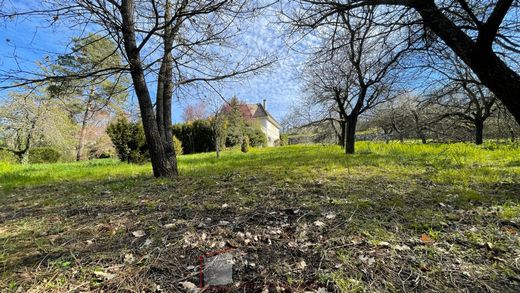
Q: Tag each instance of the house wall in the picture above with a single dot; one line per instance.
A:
(271, 131)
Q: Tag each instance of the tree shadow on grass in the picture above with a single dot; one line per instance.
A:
(74, 229)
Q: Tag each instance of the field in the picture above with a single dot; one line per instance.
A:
(394, 217)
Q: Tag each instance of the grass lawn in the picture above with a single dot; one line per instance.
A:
(394, 217)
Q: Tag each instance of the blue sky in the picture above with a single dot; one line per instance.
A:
(31, 39)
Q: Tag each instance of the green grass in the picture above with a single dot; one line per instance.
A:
(447, 163)
(62, 224)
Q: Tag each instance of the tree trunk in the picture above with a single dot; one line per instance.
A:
(479, 131)
(217, 145)
(165, 91)
(341, 136)
(163, 164)
(350, 135)
(490, 69)
(81, 142)
(83, 131)
(423, 138)
(23, 154)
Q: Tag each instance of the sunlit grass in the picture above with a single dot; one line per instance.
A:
(446, 163)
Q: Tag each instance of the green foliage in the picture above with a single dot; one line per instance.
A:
(196, 136)
(237, 127)
(43, 155)
(245, 144)
(219, 125)
(92, 52)
(284, 139)
(129, 140)
(256, 136)
(7, 157)
(510, 211)
(87, 100)
(235, 124)
(177, 145)
(199, 136)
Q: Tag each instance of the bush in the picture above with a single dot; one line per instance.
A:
(129, 140)
(103, 148)
(232, 138)
(195, 137)
(177, 145)
(245, 144)
(43, 155)
(104, 156)
(256, 136)
(284, 139)
(138, 157)
(199, 136)
(8, 157)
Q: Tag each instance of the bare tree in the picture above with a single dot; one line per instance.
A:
(506, 123)
(21, 118)
(30, 117)
(483, 34)
(194, 112)
(407, 116)
(461, 95)
(175, 41)
(354, 71)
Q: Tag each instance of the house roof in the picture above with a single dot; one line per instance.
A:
(257, 111)
(253, 111)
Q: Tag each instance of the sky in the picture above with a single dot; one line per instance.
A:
(31, 40)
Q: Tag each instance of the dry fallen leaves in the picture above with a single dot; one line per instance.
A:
(129, 258)
(510, 230)
(330, 216)
(367, 259)
(401, 247)
(301, 265)
(319, 224)
(189, 286)
(138, 233)
(426, 239)
(104, 275)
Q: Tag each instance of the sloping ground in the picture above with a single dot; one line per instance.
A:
(435, 218)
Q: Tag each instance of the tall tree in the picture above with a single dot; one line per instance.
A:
(29, 118)
(172, 42)
(217, 120)
(234, 115)
(355, 68)
(462, 96)
(87, 97)
(483, 34)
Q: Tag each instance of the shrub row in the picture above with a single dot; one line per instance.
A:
(37, 155)
(198, 136)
